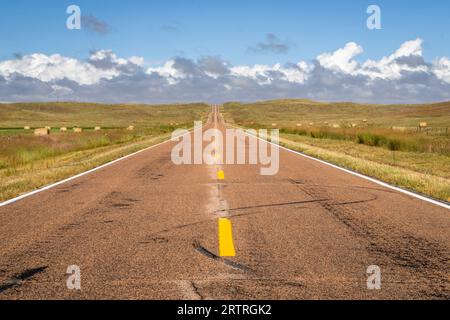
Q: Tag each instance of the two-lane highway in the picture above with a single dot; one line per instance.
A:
(145, 228)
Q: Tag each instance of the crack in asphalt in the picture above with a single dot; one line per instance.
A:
(235, 265)
(278, 204)
(426, 259)
(21, 277)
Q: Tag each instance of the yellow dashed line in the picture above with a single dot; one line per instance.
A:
(226, 246)
(220, 175)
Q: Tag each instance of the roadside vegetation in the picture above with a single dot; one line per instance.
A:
(405, 145)
(28, 162)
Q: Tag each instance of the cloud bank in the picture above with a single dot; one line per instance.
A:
(400, 77)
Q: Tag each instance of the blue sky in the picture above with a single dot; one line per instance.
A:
(223, 28)
(215, 51)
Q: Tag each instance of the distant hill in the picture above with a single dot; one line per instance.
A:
(296, 111)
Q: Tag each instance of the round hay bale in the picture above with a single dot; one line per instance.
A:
(41, 132)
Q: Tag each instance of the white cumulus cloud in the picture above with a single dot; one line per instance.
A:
(441, 68)
(392, 66)
(265, 74)
(55, 67)
(402, 76)
(168, 71)
(341, 59)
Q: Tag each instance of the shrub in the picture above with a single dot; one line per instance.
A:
(394, 145)
(370, 139)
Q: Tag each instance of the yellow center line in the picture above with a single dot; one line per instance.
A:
(226, 246)
(220, 175)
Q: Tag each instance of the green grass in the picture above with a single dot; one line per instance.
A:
(28, 162)
(413, 158)
(414, 141)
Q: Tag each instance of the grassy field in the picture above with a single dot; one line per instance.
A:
(382, 141)
(28, 162)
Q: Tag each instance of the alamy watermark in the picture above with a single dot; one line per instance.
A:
(73, 22)
(74, 280)
(374, 279)
(374, 20)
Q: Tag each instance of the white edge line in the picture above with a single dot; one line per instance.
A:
(379, 182)
(10, 201)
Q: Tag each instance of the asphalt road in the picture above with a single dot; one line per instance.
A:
(145, 228)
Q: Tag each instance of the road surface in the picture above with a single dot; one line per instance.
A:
(145, 228)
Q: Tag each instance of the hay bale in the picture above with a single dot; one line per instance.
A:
(274, 124)
(336, 126)
(423, 125)
(97, 128)
(26, 128)
(299, 124)
(77, 130)
(130, 128)
(311, 123)
(354, 125)
(364, 120)
(41, 132)
(63, 129)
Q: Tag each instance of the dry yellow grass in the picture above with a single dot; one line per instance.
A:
(427, 184)
(28, 162)
(380, 141)
(42, 172)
